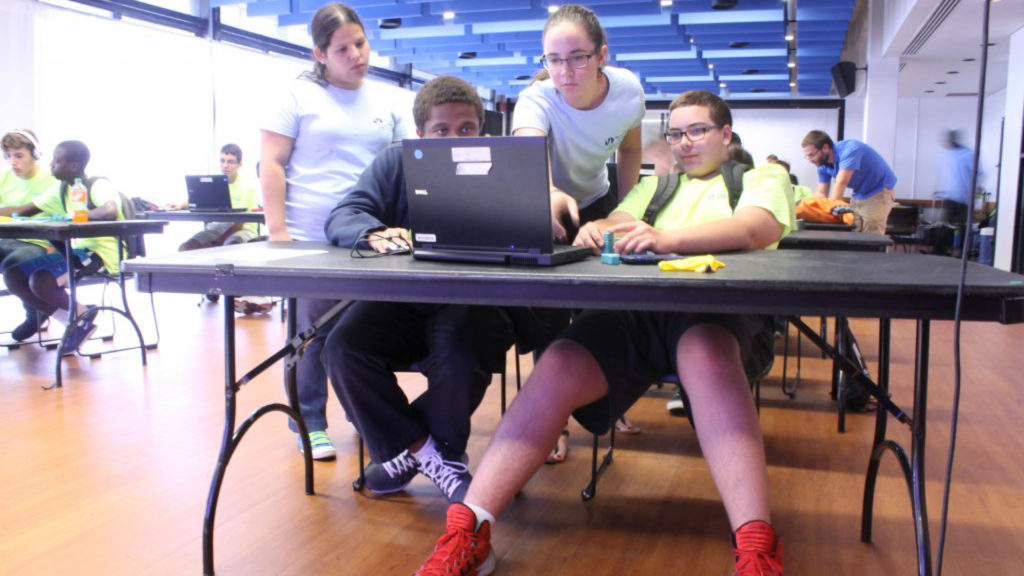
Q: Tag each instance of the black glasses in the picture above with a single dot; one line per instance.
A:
(577, 61)
(694, 133)
(813, 155)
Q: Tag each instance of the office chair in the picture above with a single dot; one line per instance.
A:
(903, 224)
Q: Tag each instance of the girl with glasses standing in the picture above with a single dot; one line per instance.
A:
(589, 111)
(314, 146)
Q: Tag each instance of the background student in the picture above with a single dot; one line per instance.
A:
(589, 111)
(25, 180)
(452, 345)
(855, 165)
(606, 359)
(40, 281)
(245, 193)
(321, 137)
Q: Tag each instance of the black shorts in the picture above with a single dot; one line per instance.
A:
(637, 349)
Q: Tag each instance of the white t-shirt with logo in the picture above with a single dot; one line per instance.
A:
(582, 141)
(337, 134)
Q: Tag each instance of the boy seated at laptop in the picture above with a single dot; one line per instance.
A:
(245, 193)
(452, 345)
(605, 360)
(39, 282)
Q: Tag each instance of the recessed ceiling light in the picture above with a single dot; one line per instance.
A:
(952, 72)
(666, 3)
(738, 44)
(969, 59)
(552, 8)
(711, 66)
(721, 84)
(929, 91)
(791, 64)
(792, 84)
(941, 82)
(693, 40)
(789, 37)
(448, 15)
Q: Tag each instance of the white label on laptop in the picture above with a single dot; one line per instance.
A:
(472, 168)
(471, 154)
(431, 238)
(420, 192)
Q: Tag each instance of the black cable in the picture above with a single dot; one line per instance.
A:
(955, 417)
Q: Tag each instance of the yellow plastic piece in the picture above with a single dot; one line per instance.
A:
(705, 263)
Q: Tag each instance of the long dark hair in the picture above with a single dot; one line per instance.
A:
(326, 20)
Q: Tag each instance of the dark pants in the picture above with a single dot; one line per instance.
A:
(310, 376)
(955, 215)
(14, 252)
(456, 347)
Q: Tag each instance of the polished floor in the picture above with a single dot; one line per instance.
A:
(109, 475)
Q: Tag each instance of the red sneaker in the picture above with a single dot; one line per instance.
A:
(758, 550)
(462, 549)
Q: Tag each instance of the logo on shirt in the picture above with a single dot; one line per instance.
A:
(609, 141)
(378, 121)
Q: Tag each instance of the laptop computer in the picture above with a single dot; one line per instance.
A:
(482, 200)
(209, 193)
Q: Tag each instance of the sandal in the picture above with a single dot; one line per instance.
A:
(561, 449)
(623, 426)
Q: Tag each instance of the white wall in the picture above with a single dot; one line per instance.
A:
(1009, 187)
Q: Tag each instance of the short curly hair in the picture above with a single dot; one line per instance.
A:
(442, 90)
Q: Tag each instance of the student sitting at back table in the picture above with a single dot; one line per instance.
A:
(607, 359)
(25, 180)
(452, 345)
(245, 193)
(40, 281)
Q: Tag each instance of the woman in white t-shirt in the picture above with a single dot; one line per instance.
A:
(589, 111)
(314, 146)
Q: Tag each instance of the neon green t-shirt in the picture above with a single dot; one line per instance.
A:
(700, 201)
(15, 191)
(246, 194)
(102, 192)
(801, 192)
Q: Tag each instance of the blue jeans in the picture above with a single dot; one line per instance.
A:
(310, 376)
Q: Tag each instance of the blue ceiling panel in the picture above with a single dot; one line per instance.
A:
(687, 45)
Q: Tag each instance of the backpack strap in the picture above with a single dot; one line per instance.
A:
(666, 188)
(732, 173)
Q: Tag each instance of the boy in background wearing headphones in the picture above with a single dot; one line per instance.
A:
(25, 180)
(40, 281)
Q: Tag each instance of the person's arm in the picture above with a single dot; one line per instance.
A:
(842, 181)
(750, 228)
(628, 161)
(29, 209)
(275, 150)
(822, 190)
(105, 211)
(561, 202)
(371, 205)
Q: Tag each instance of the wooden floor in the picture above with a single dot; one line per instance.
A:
(109, 475)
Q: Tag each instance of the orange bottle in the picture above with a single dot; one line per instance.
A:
(78, 205)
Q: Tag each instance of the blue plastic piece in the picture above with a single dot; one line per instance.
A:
(609, 255)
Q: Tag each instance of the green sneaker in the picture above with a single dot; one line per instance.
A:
(321, 444)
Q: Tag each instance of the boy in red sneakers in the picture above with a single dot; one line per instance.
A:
(605, 360)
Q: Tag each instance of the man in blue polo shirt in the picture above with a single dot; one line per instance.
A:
(855, 165)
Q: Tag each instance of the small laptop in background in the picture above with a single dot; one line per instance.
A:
(209, 193)
(482, 200)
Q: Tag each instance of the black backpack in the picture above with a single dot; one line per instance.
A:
(732, 173)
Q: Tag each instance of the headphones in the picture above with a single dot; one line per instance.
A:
(36, 152)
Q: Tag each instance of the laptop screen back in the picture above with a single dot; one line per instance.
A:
(208, 192)
(487, 194)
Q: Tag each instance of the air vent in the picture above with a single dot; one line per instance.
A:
(738, 44)
(749, 71)
(389, 23)
(960, 94)
(758, 90)
(467, 55)
(523, 77)
(934, 21)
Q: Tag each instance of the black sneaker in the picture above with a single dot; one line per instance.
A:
(393, 475)
(451, 476)
(79, 332)
(28, 328)
(675, 405)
